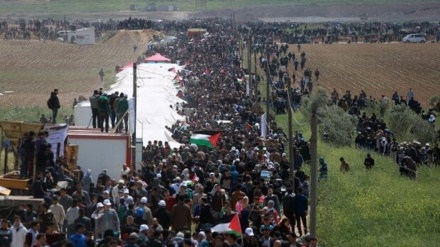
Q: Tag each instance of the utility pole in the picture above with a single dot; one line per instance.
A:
(133, 138)
(314, 172)
(268, 80)
(249, 62)
(241, 50)
(290, 131)
(255, 73)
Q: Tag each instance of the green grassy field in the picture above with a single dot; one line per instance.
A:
(31, 113)
(60, 7)
(375, 208)
(378, 208)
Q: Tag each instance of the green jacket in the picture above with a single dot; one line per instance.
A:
(122, 106)
(103, 104)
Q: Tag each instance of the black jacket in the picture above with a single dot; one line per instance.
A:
(38, 190)
(53, 102)
(163, 217)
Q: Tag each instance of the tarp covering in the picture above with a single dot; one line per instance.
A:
(128, 65)
(157, 58)
(156, 95)
(155, 102)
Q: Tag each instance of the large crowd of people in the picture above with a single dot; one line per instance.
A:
(332, 32)
(182, 196)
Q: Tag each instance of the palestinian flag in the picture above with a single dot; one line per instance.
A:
(248, 126)
(235, 226)
(205, 138)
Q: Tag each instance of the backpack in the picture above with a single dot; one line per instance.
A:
(49, 103)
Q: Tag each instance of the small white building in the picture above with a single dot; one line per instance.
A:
(83, 36)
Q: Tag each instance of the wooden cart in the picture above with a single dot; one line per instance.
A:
(12, 180)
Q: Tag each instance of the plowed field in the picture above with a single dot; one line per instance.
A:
(378, 69)
(32, 69)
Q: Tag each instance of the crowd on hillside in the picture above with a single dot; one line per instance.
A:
(183, 196)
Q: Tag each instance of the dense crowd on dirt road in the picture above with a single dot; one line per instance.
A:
(179, 195)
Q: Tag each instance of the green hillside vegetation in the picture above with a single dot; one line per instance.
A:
(31, 113)
(375, 208)
(60, 7)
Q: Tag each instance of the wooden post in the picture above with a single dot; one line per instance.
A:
(249, 64)
(5, 168)
(313, 172)
(268, 80)
(255, 73)
(290, 131)
(57, 155)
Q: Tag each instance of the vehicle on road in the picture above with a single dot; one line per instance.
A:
(414, 38)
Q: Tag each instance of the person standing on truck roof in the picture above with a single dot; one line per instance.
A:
(95, 112)
(53, 103)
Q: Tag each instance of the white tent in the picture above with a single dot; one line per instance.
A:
(156, 94)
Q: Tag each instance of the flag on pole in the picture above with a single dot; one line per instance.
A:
(195, 178)
(248, 126)
(263, 125)
(235, 226)
(205, 138)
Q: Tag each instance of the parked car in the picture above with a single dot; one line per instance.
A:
(414, 38)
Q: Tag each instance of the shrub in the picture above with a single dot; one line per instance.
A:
(422, 131)
(335, 124)
(434, 102)
(401, 120)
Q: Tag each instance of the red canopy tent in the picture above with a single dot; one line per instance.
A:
(128, 65)
(157, 58)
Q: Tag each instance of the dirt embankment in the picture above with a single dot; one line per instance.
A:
(133, 37)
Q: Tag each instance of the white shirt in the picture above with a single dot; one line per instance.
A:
(72, 214)
(18, 237)
(266, 242)
(125, 172)
(58, 213)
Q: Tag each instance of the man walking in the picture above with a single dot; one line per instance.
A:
(300, 207)
(317, 75)
(94, 105)
(181, 217)
(5, 234)
(78, 239)
(101, 75)
(53, 103)
(18, 233)
(58, 212)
